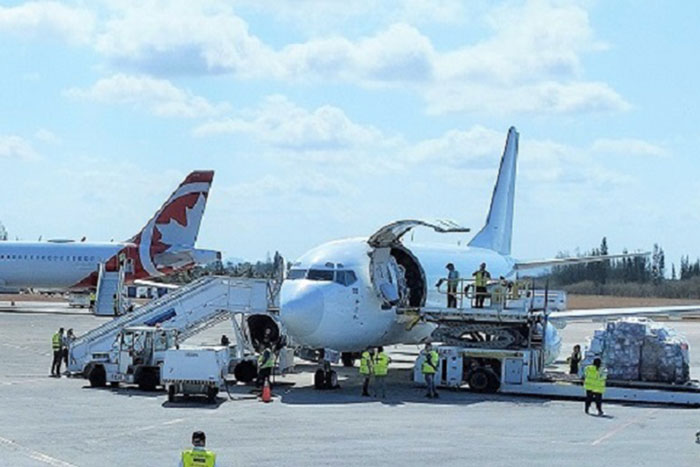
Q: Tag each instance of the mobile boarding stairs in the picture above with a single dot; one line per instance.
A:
(189, 310)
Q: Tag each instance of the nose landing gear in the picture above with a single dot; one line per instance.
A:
(326, 378)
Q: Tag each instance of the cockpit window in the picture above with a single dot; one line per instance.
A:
(345, 277)
(296, 274)
(320, 275)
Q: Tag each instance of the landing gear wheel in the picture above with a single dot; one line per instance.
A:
(171, 393)
(97, 376)
(348, 360)
(479, 380)
(331, 380)
(319, 379)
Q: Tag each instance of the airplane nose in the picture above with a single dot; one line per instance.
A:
(301, 312)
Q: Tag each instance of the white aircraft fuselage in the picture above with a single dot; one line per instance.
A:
(322, 310)
(49, 265)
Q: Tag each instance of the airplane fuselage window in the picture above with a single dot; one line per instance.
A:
(295, 274)
(320, 275)
(345, 278)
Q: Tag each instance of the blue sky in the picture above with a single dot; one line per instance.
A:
(326, 119)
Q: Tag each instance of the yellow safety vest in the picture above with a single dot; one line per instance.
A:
(381, 364)
(594, 380)
(56, 341)
(515, 291)
(427, 368)
(196, 458)
(365, 363)
(269, 363)
(480, 278)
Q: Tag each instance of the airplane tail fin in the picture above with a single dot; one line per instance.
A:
(497, 233)
(175, 225)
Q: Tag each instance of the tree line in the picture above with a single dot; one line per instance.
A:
(633, 276)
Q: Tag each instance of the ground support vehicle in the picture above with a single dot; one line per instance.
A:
(520, 372)
(195, 370)
(136, 358)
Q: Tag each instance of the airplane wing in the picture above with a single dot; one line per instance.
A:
(392, 233)
(543, 263)
(612, 313)
(156, 284)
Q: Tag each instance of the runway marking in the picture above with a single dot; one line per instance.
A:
(36, 455)
(619, 428)
(137, 430)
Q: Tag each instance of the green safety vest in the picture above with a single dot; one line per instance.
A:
(381, 364)
(196, 458)
(594, 380)
(480, 278)
(56, 341)
(365, 363)
(269, 363)
(427, 368)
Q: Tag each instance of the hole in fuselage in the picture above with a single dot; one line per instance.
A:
(415, 278)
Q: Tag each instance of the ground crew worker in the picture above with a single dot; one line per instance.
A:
(429, 368)
(198, 456)
(57, 347)
(481, 279)
(93, 297)
(266, 361)
(366, 371)
(67, 341)
(115, 305)
(594, 383)
(574, 360)
(452, 282)
(381, 369)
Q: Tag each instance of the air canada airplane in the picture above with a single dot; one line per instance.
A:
(342, 295)
(163, 246)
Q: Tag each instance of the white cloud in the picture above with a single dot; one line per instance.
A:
(323, 15)
(458, 148)
(15, 147)
(47, 136)
(182, 36)
(628, 146)
(45, 19)
(530, 63)
(280, 123)
(158, 96)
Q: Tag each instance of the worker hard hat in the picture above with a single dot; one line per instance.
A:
(449, 265)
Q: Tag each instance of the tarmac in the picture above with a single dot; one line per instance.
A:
(64, 422)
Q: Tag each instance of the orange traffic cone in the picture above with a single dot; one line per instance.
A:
(266, 392)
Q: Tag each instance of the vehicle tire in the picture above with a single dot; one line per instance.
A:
(114, 384)
(97, 376)
(348, 360)
(246, 371)
(147, 379)
(331, 380)
(494, 383)
(211, 394)
(171, 393)
(479, 380)
(319, 379)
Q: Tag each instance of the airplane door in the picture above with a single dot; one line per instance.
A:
(384, 272)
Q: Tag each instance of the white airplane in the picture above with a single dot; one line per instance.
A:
(163, 246)
(342, 295)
